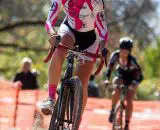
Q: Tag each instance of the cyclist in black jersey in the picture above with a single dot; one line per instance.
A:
(128, 72)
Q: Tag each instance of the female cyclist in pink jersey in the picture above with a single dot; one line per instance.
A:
(83, 25)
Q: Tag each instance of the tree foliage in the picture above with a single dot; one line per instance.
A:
(22, 31)
(151, 61)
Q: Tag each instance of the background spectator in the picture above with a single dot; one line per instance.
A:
(26, 77)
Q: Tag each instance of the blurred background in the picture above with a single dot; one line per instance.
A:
(22, 34)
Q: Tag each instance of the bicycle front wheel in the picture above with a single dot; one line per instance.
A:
(58, 115)
(118, 118)
(77, 102)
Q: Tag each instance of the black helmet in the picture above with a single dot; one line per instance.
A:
(126, 43)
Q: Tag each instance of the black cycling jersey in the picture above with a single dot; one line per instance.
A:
(131, 72)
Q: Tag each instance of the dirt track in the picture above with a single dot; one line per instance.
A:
(146, 115)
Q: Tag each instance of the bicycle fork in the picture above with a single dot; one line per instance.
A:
(65, 88)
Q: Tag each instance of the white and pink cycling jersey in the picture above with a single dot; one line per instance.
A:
(82, 15)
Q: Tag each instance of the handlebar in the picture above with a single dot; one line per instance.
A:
(76, 50)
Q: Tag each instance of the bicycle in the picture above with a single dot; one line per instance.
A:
(119, 109)
(68, 108)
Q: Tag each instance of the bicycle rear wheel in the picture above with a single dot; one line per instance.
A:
(77, 101)
(118, 118)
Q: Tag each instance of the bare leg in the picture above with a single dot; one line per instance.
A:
(116, 93)
(58, 57)
(129, 109)
(115, 97)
